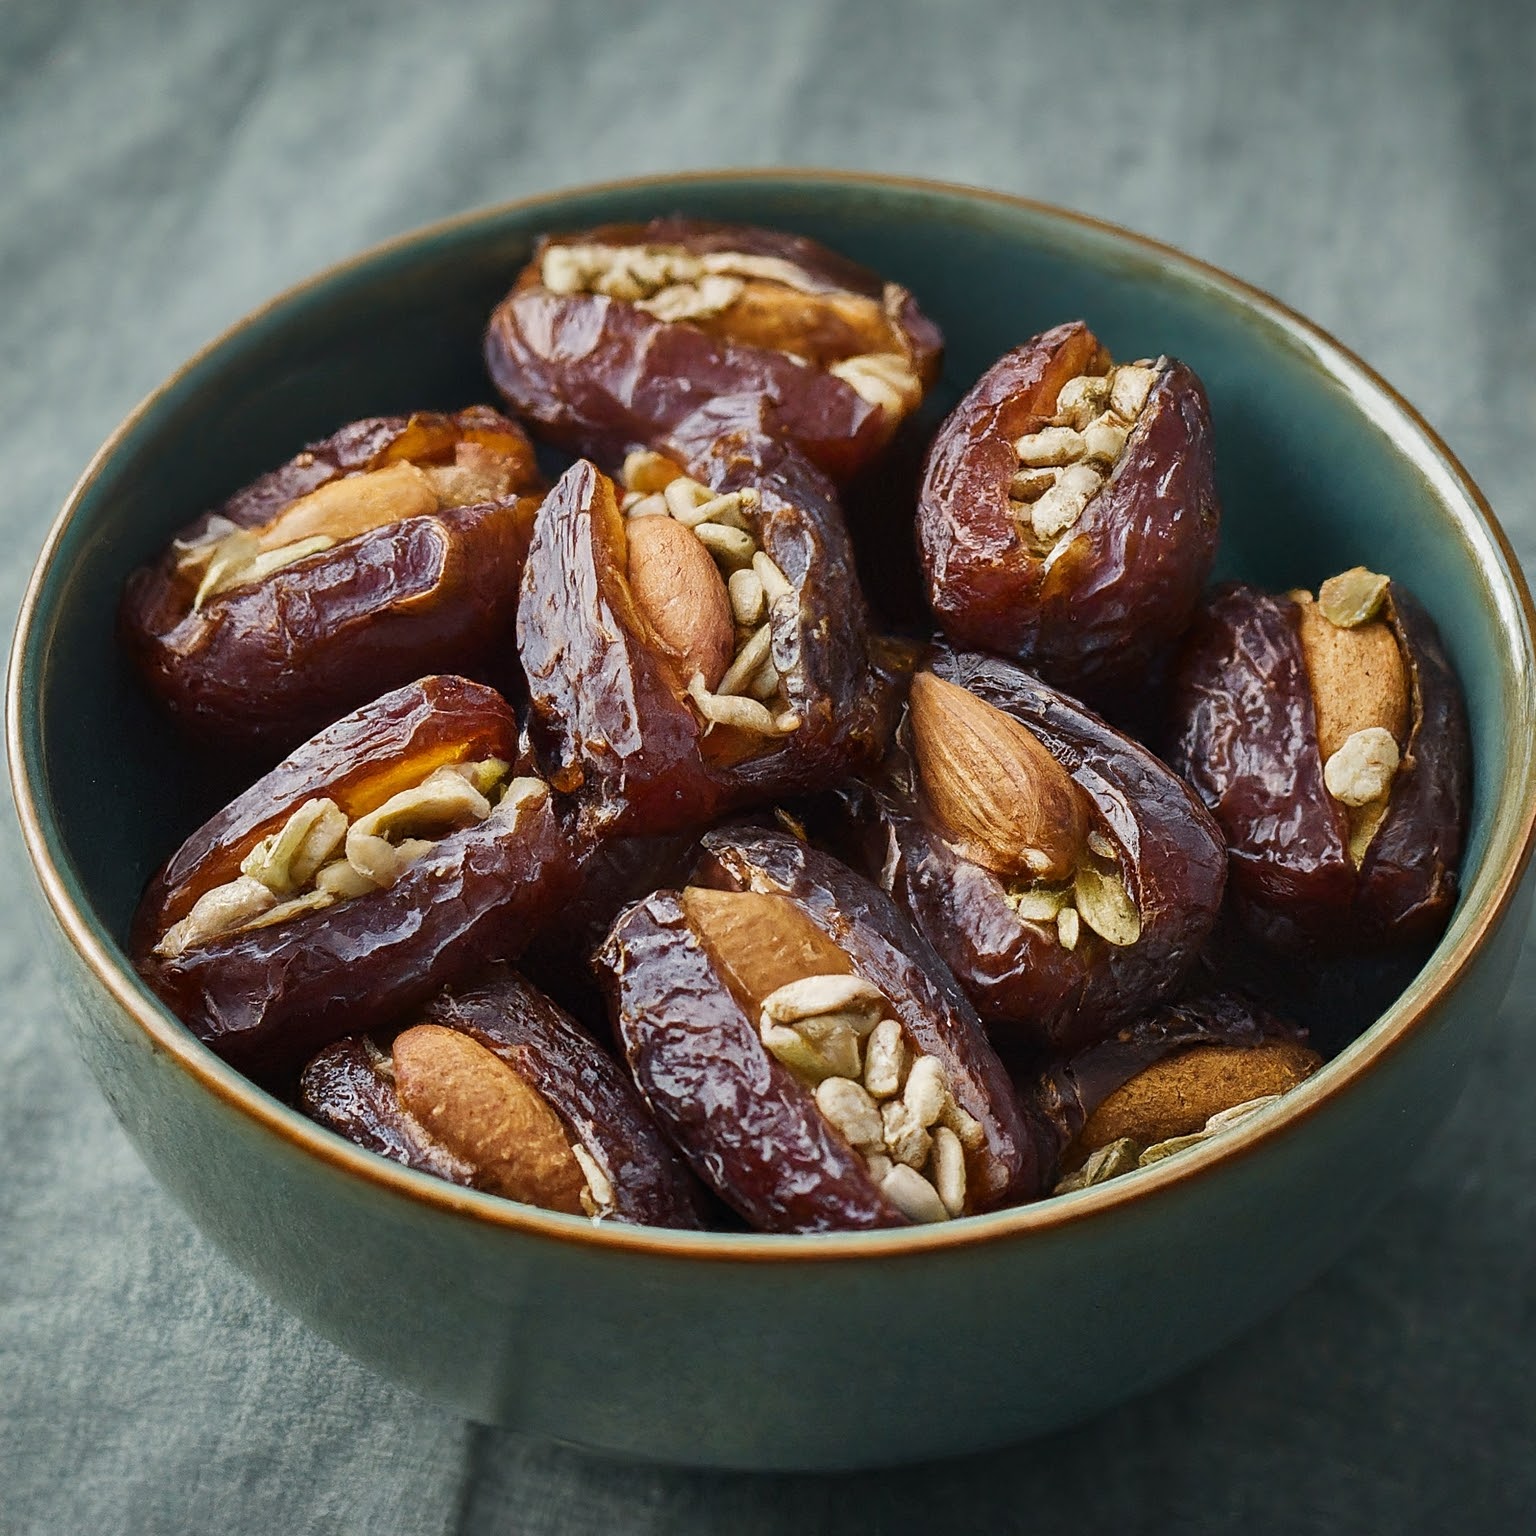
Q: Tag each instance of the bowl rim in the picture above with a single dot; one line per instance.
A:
(1403, 1019)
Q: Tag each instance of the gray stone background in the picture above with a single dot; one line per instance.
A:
(164, 167)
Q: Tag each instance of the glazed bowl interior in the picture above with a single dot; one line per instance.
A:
(1320, 468)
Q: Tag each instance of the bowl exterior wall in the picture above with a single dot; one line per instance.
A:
(796, 1364)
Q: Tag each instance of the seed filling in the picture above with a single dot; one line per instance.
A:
(1098, 897)
(319, 857)
(1063, 465)
(675, 284)
(891, 1104)
(752, 695)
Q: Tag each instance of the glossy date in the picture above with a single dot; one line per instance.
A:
(1066, 877)
(1167, 1073)
(1068, 513)
(390, 550)
(1328, 737)
(494, 1087)
(390, 855)
(699, 646)
(612, 336)
(806, 1050)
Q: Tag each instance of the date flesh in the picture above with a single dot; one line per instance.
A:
(390, 550)
(611, 337)
(1093, 577)
(1306, 871)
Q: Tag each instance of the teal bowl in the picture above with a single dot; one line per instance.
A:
(748, 1351)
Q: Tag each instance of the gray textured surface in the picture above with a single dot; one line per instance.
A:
(163, 168)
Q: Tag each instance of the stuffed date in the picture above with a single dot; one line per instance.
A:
(805, 1049)
(494, 1087)
(613, 336)
(1066, 876)
(698, 642)
(1166, 1077)
(385, 858)
(390, 550)
(1328, 737)
(1068, 511)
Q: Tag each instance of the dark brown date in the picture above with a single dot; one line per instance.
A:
(350, 1088)
(570, 1133)
(1166, 1074)
(1066, 877)
(1334, 754)
(359, 762)
(389, 550)
(387, 857)
(658, 694)
(1068, 513)
(807, 1051)
(612, 336)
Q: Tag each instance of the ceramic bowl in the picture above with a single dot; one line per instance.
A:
(751, 1351)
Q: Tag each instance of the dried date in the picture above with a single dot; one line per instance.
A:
(611, 337)
(807, 1051)
(495, 1087)
(1168, 1073)
(1068, 513)
(1329, 739)
(390, 550)
(697, 642)
(386, 858)
(1066, 876)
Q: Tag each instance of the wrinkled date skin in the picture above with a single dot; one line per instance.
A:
(1036, 995)
(614, 873)
(349, 1087)
(1245, 734)
(751, 1127)
(613, 336)
(267, 998)
(1092, 608)
(1069, 1091)
(267, 656)
(610, 718)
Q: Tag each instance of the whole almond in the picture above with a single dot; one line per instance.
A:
(760, 941)
(1357, 674)
(354, 504)
(482, 1111)
(678, 588)
(994, 786)
(1177, 1095)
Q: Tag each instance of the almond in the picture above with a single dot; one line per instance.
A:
(1177, 1095)
(998, 792)
(1358, 677)
(483, 1112)
(342, 509)
(760, 941)
(678, 589)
